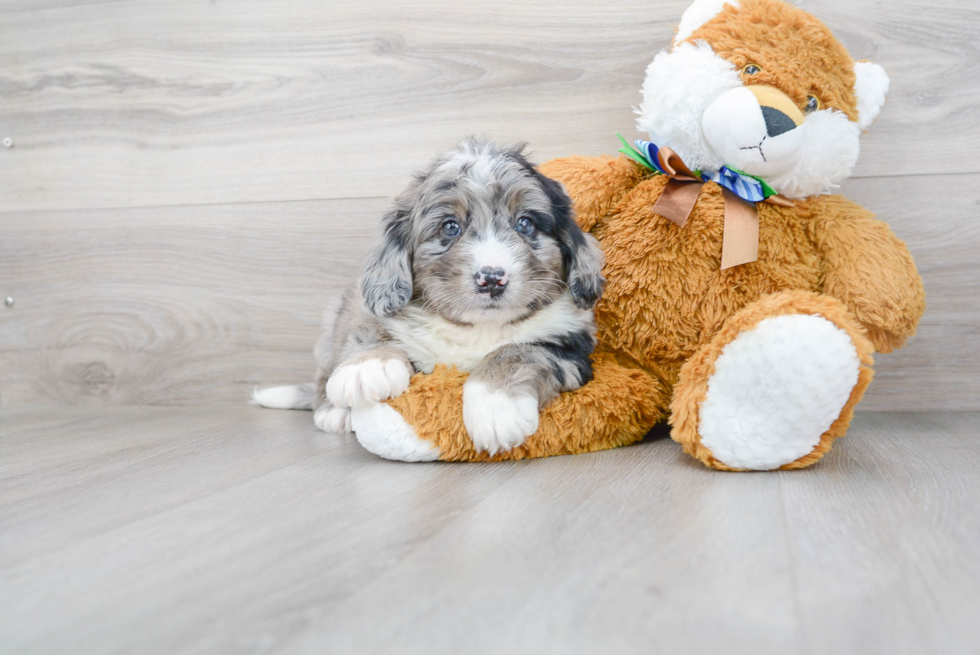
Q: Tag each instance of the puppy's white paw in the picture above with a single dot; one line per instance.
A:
(495, 420)
(332, 419)
(370, 381)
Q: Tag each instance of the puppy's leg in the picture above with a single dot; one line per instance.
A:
(332, 419)
(504, 394)
(326, 416)
(371, 375)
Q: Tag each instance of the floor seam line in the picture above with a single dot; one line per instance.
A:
(793, 578)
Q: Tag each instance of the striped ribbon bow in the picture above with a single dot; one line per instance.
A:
(740, 241)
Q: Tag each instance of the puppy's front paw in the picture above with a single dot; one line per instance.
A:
(496, 420)
(332, 419)
(372, 380)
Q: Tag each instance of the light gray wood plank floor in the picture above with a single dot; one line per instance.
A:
(192, 530)
(177, 102)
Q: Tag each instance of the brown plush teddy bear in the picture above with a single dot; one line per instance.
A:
(743, 303)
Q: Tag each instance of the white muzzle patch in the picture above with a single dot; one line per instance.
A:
(736, 128)
(491, 252)
(695, 103)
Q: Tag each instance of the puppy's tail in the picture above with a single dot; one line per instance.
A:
(290, 396)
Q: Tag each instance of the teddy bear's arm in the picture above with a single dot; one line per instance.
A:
(618, 407)
(594, 183)
(871, 270)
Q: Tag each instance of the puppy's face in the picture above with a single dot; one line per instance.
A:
(487, 240)
(482, 237)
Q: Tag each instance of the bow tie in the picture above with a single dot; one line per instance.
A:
(740, 241)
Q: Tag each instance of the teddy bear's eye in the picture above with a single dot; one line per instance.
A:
(812, 105)
(751, 69)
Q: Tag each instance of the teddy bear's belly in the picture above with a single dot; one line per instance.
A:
(666, 293)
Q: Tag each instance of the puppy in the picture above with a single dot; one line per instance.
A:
(481, 266)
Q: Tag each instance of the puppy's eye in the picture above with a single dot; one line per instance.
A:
(812, 104)
(451, 229)
(751, 69)
(524, 226)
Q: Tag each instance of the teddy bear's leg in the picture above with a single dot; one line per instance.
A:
(775, 386)
(384, 432)
(617, 408)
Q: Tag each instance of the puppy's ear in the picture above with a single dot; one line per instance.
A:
(581, 255)
(386, 279)
(585, 273)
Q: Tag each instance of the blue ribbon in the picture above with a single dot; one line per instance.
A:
(744, 186)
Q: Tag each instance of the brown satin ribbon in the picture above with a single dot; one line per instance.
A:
(740, 242)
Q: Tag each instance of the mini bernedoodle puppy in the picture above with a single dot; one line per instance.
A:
(481, 266)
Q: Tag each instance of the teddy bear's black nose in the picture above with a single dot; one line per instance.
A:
(777, 122)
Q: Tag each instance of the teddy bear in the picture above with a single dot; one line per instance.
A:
(743, 301)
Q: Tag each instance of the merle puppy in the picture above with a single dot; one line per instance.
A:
(481, 266)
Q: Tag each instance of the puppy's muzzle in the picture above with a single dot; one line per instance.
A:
(491, 280)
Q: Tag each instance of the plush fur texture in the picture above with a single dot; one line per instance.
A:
(777, 387)
(697, 373)
(679, 87)
(697, 98)
(871, 86)
(669, 311)
(383, 431)
(696, 15)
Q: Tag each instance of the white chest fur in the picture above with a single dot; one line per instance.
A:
(429, 340)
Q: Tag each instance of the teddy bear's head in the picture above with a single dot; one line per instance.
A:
(763, 87)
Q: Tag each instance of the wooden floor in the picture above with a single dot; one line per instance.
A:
(189, 183)
(193, 530)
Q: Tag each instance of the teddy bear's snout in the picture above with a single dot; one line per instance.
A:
(778, 111)
(756, 129)
(777, 122)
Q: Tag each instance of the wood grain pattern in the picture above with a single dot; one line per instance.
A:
(191, 182)
(182, 102)
(887, 546)
(936, 217)
(192, 530)
(197, 305)
(187, 305)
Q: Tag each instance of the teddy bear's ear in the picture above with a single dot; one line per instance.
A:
(699, 13)
(870, 86)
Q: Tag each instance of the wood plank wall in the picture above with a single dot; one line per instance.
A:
(190, 182)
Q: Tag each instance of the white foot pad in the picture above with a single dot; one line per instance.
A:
(372, 380)
(776, 389)
(383, 431)
(332, 419)
(495, 420)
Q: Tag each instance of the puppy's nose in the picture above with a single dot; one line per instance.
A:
(777, 122)
(491, 280)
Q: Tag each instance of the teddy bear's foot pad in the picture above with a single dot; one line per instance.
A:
(383, 431)
(776, 389)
